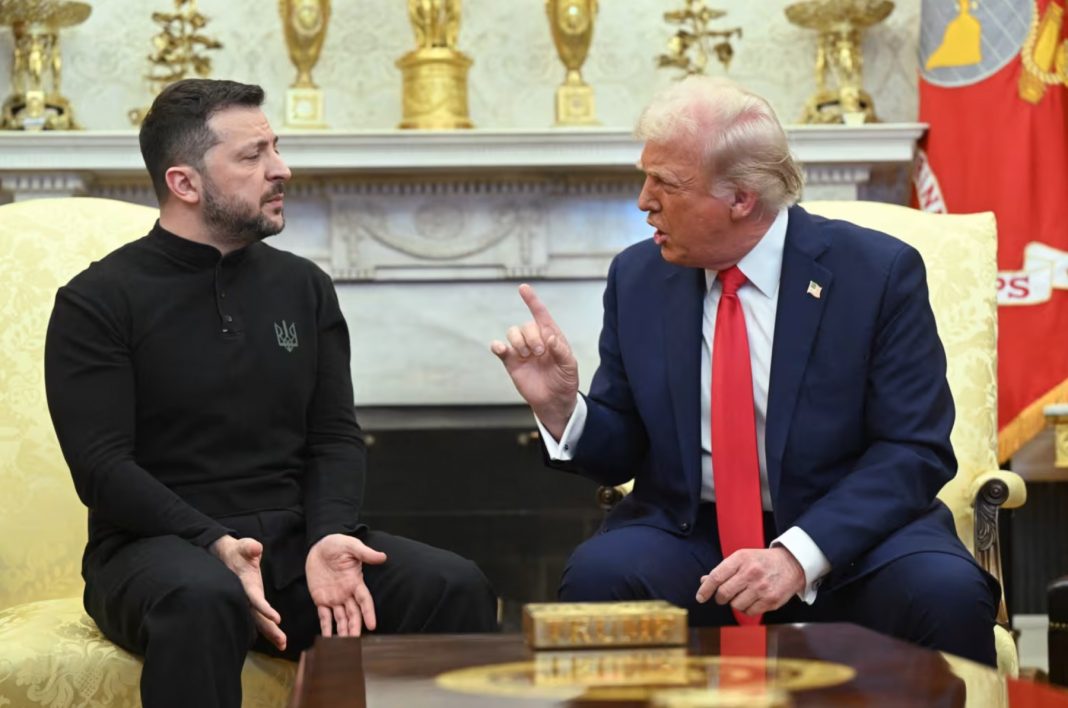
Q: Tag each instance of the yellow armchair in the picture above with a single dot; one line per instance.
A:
(960, 252)
(51, 652)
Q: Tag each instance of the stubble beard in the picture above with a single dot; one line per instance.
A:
(234, 222)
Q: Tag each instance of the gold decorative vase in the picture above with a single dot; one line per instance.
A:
(840, 96)
(435, 72)
(571, 22)
(305, 24)
(36, 102)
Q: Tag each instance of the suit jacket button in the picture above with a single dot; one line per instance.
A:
(685, 526)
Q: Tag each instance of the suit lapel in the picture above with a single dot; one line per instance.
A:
(683, 312)
(796, 322)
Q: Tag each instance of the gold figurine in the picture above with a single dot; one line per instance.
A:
(435, 72)
(178, 50)
(572, 27)
(36, 102)
(694, 34)
(305, 24)
(839, 56)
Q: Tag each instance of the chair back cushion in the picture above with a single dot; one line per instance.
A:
(43, 244)
(960, 252)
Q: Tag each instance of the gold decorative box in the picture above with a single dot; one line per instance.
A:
(603, 624)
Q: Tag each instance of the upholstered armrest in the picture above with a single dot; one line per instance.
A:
(999, 488)
(608, 497)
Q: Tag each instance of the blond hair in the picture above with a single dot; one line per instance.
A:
(743, 145)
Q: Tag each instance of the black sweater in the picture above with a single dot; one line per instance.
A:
(188, 388)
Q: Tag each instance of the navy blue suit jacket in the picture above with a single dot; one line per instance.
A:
(859, 410)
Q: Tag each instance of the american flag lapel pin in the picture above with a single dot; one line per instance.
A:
(815, 289)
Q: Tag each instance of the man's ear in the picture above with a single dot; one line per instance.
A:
(742, 204)
(184, 183)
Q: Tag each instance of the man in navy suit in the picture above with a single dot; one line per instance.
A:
(783, 365)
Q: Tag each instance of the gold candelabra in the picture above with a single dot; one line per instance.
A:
(305, 23)
(435, 72)
(692, 45)
(36, 102)
(840, 96)
(178, 50)
(571, 22)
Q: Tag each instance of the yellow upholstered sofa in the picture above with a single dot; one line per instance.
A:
(51, 653)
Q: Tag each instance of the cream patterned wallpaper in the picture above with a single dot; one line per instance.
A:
(515, 70)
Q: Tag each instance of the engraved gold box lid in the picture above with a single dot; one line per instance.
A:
(554, 625)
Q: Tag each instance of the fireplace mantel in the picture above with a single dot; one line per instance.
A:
(34, 162)
(428, 233)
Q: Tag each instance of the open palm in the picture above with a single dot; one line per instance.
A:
(334, 570)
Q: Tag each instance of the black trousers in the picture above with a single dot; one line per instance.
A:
(186, 613)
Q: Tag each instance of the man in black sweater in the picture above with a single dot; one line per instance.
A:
(199, 384)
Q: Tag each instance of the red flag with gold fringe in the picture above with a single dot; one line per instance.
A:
(993, 78)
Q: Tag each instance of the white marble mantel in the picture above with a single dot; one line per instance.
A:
(96, 154)
(428, 233)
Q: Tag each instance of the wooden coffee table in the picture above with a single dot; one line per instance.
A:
(855, 667)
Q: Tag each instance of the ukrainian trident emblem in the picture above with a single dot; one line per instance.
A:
(287, 335)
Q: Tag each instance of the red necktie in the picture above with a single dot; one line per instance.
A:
(735, 465)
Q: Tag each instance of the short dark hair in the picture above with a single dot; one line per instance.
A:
(175, 131)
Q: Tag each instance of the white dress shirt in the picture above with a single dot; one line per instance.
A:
(762, 267)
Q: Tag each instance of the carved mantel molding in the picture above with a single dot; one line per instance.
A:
(101, 154)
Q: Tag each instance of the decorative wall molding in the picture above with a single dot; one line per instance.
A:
(42, 185)
(851, 175)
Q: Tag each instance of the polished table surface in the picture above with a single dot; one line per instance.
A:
(856, 667)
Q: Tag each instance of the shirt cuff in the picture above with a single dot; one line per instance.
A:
(564, 449)
(808, 554)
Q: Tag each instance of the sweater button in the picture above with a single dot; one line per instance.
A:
(229, 318)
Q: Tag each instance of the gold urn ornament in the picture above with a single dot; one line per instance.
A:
(571, 22)
(36, 101)
(435, 72)
(840, 96)
(305, 23)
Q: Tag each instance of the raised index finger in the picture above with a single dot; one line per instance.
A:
(537, 308)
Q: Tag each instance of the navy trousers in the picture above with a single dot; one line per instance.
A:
(936, 600)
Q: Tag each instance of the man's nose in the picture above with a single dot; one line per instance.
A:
(279, 170)
(646, 200)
